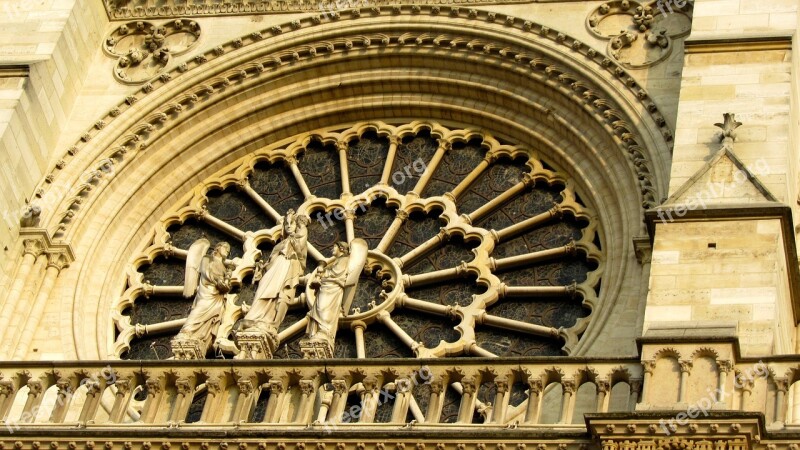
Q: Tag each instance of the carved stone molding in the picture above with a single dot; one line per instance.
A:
(640, 34)
(133, 140)
(143, 49)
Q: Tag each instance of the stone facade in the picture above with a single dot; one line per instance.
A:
(661, 306)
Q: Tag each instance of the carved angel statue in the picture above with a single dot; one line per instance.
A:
(208, 279)
(331, 290)
(279, 276)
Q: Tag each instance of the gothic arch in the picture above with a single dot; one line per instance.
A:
(465, 68)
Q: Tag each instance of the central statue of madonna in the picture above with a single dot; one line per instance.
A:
(330, 289)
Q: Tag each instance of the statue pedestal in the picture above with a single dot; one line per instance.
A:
(188, 349)
(316, 349)
(256, 344)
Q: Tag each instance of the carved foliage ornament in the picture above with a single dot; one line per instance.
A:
(143, 49)
(640, 34)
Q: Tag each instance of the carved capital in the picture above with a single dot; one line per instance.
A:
(725, 365)
(243, 184)
(213, 387)
(93, 388)
(649, 366)
(32, 247)
(535, 385)
(34, 388)
(636, 385)
(291, 160)
(123, 386)
(342, 146)
(402, 215)
(569, 386)
(202, 214)
(782, 384)
(501, 385)
(64, 386)
(307, 387)
(339, 387)
(57, 261)
(153, 386)
(245, 386)
(184, 386)
(686, 366)
(6, 388)
(469, 387)
(394, 140)
(436, 387)
(445, 145)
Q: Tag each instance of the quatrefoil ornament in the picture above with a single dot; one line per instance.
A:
(143, 49)
(640, 34)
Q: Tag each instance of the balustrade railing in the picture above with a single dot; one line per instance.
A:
(325, 394)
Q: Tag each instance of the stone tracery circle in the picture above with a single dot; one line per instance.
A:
(397, 272)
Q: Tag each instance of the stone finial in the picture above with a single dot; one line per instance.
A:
(728, 128)
(30, 216)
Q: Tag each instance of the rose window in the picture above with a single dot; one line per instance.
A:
(475, 246)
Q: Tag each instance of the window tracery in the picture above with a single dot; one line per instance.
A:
(476, 247)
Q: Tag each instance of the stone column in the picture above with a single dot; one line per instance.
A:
(21, 305)
(244, 402)
(94, 393)
(782, 386)
(342, 147)
(277, 391)
(307, 389)
(603, 388)
(387, 169)
(55, 263)
(636, 389)
(7, 391)
(649, 367)
(567, 396)
(121, 399)
(725, 367)
(534, 394)
(402, 400)
(369, 399)
(338, 402)
(32, 249)
(183, 399)
(436, 402)
(686, 368)
(500, 401)
(469, 393)
(35, 390)
(66, 388)
(155, 390)
(213, 397)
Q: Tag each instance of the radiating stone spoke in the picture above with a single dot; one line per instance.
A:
(531, 258)
(443, 148)
(516, 325)
(292, 330)
(477, 350)
(345, 173)
(528, 224)
(386, 320)
(457, 191)
(431, 244)
(426, 307)
(391, 232)
(221, 225)
(501, 199)
(301, 182)
(435, 276)
(170, 326)
(263, 204)
(387, 168)
(506, 291)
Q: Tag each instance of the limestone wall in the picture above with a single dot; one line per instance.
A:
(57, 40)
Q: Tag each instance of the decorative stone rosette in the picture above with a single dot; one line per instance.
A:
(144, 49)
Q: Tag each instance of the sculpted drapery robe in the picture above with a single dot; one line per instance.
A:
(204, 318)
(286, 265)
(325, 312)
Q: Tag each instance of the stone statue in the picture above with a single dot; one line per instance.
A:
(331, 287)
(279, 276)
(208, 278)
(30, 216)
(277, 279)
